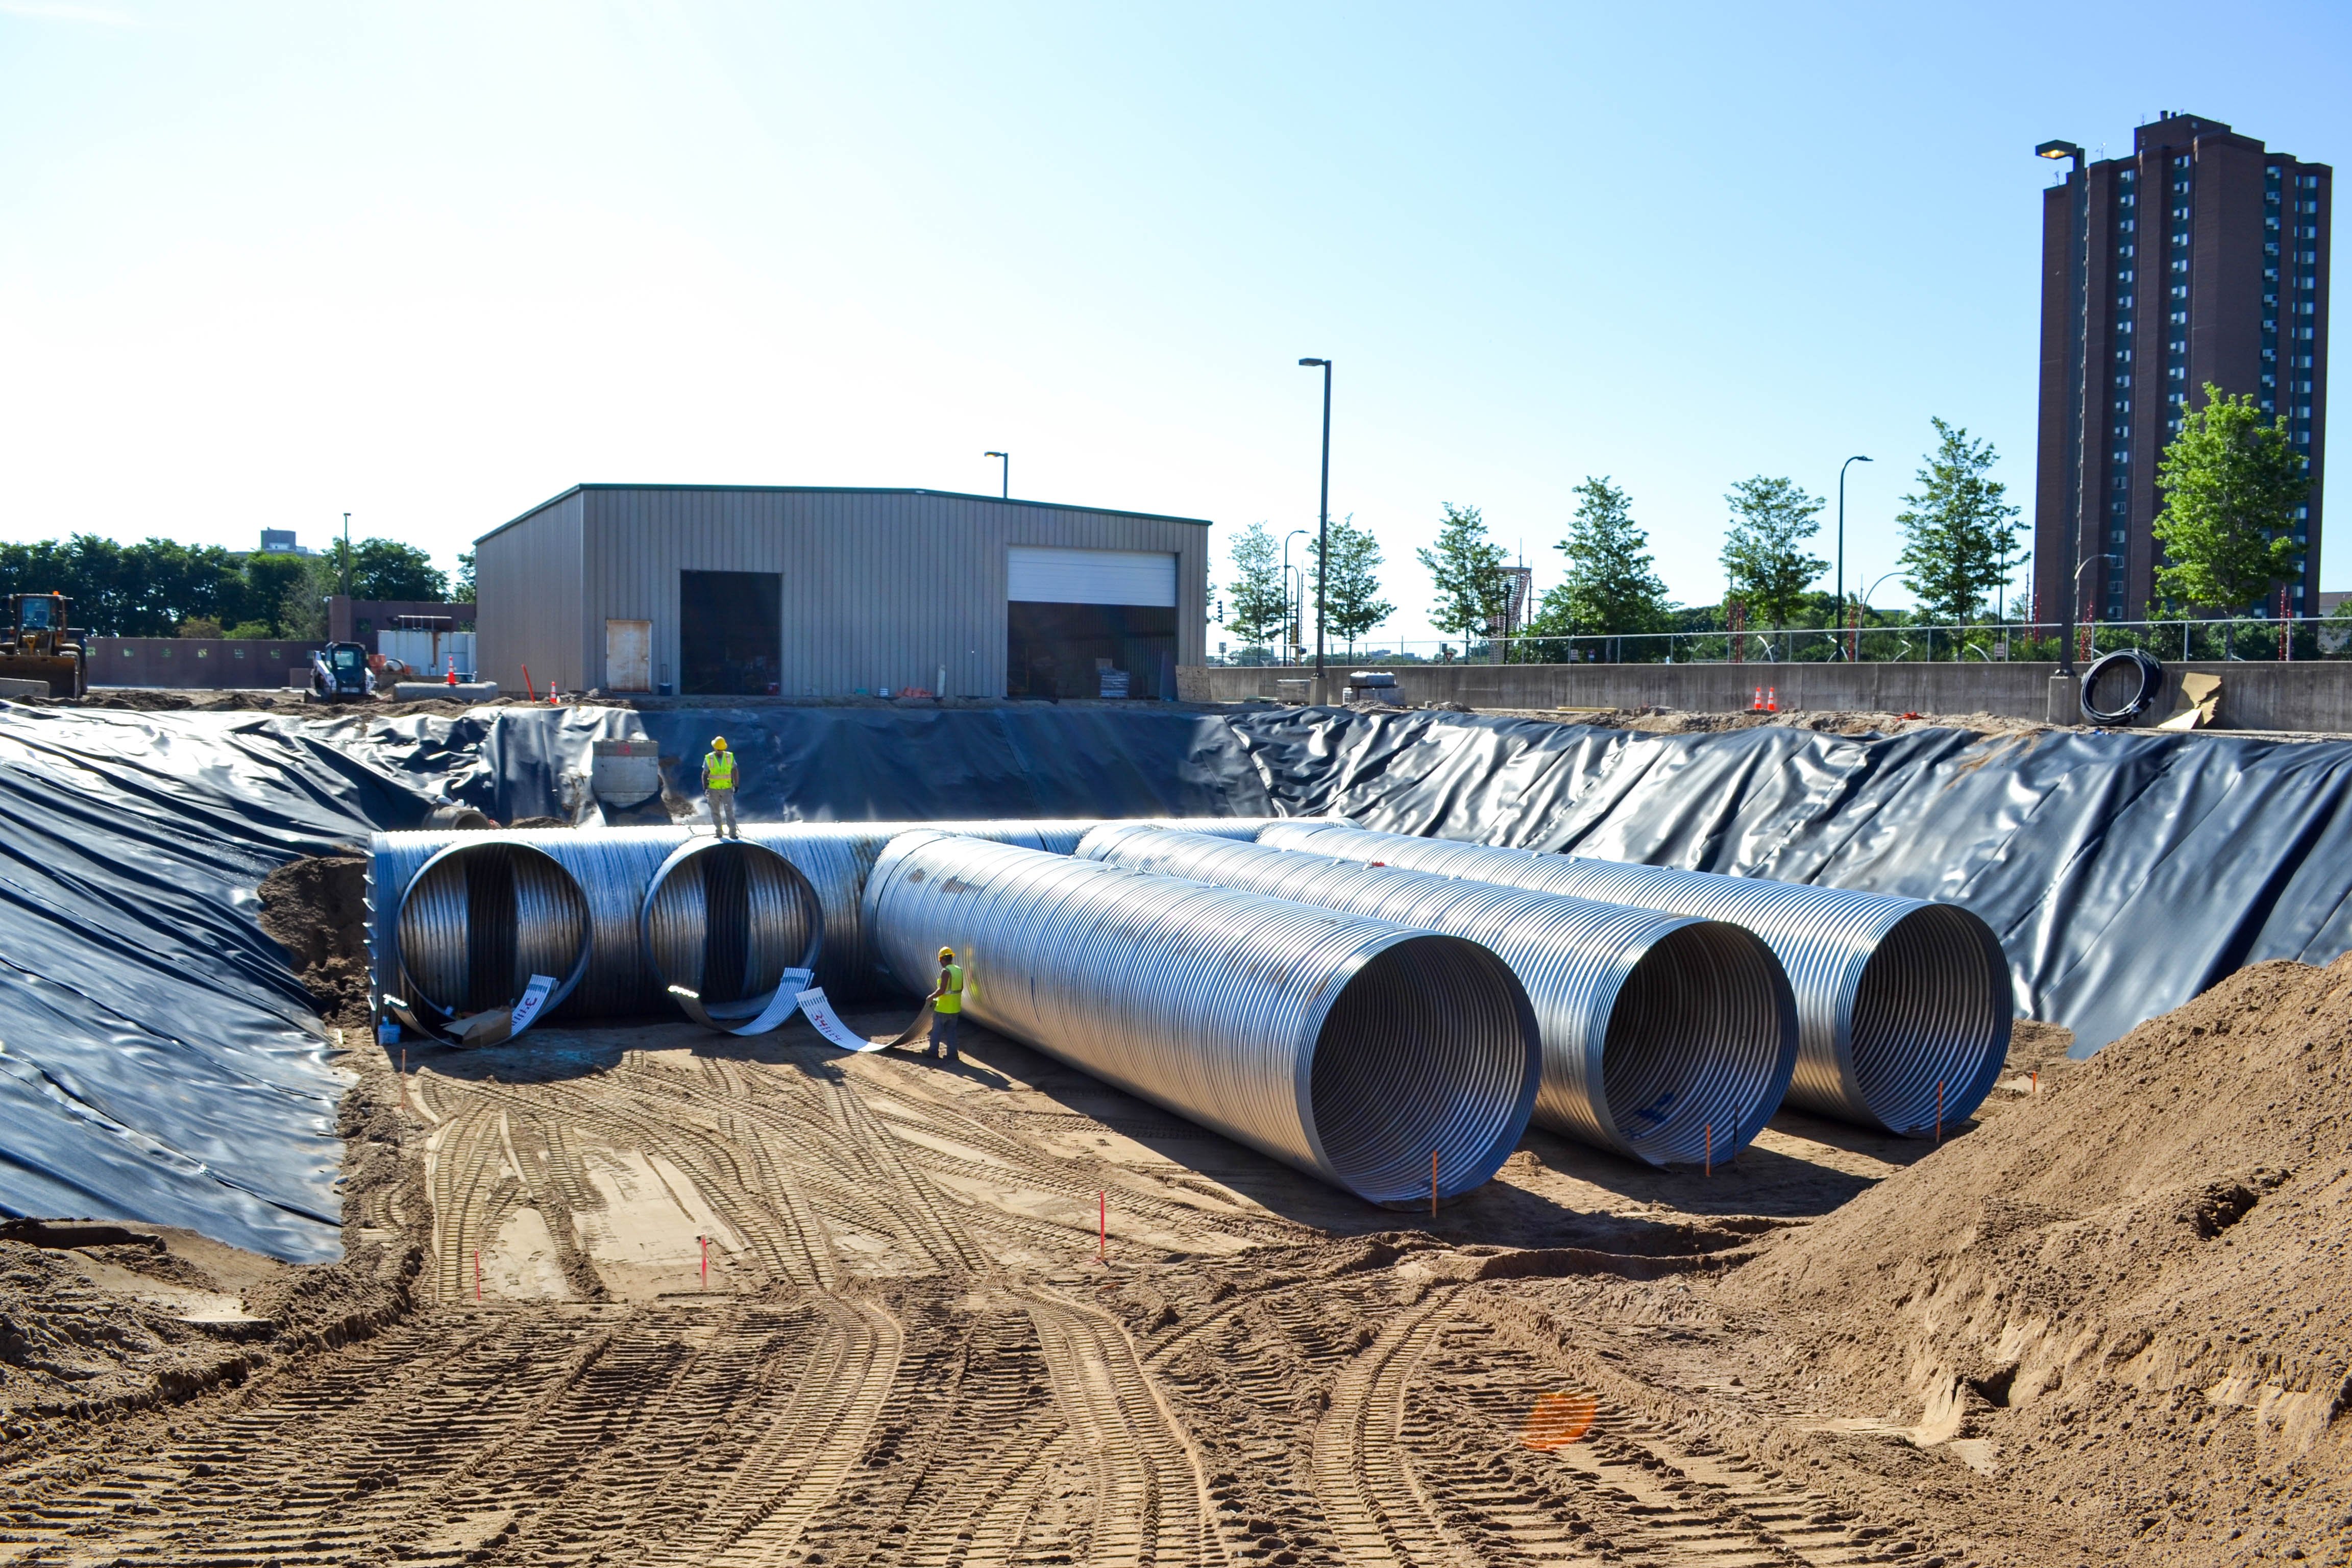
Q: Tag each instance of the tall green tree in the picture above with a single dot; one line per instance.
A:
(1353, 605)
(1467, 568)
(2230, 486)
(1764, 554)
(1959, 528)
(461, 587)
(1255, 600)
(1611, 585)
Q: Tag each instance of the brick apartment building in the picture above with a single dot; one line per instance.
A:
(2207, 263)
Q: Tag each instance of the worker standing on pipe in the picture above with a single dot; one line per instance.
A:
(719, 785)
(947, 1005)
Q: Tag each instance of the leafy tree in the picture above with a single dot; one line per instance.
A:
(387, 569)
(1353, 605)
(2230, 486)
(1764, 555)
(461, 591)
(1959, 530)
(1467, 569)
(1256, 599)
(302, 608)
(1612, 585)
(268, 580)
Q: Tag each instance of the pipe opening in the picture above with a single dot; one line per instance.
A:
(1928, 1011)
(724, 919)
(1432, 1013)
(1700, 1036)
(480, 919)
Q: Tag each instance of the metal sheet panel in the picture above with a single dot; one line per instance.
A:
(1047, 574)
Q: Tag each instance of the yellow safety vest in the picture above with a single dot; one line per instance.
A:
(951, 999)
(719, 771)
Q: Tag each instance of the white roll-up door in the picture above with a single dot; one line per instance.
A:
(1049, 575)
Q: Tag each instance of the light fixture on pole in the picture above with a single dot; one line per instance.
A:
(1004, 471)
(1849, 463)
(1323, 524)
(2077, 394)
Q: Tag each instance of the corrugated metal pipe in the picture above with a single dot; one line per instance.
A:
(1666, 1039)
(1354, 1049)
(723, 923)
(474, 922)
(1901, 1004)
(609, 874)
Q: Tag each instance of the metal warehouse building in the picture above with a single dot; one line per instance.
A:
(793, 591)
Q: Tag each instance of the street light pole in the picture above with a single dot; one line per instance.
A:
(1849, 463)
(2078, 370)
(1323, 525)
(1005, 468)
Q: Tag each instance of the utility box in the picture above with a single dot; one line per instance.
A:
(626, 772)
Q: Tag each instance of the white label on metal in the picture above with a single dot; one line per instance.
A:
(1050, 574)
(780, 1007)
(828, 1024)
(534, 997)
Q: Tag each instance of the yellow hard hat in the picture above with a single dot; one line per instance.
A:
(946, 954)
(719, 743)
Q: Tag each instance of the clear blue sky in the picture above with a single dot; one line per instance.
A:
(263, 264)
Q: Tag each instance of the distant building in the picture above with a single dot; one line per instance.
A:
(786, 591)
(2208, 263)
(280, 542)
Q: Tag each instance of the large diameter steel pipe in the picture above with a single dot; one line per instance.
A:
(1903, 1008)
(1353, 1050)
(1667, 1038)
(724, 923)
(477, 922)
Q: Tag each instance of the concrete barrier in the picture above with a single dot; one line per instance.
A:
(217, 664)
(2314, 696)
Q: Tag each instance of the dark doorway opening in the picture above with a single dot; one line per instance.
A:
(1065, 650)
(730, 633)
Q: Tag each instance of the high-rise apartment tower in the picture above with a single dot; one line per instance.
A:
(2207, 263)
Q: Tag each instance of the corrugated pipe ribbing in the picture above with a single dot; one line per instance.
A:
(1896, 998)
(607, 876)
(1667, 1038)
(1352, 1049)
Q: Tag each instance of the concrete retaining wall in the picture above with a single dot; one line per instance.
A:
(2314, 696)
(215, 664)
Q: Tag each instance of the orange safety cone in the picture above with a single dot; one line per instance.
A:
(1772, 699)
(1756, 701)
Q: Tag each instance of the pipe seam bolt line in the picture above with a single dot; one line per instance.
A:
(1662, 1033)
(1284, 1026)
(1893, 995)
(444, 903)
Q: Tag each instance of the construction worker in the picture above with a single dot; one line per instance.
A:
(719, 785)
(947, 1005)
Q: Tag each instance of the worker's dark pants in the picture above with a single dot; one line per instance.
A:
(722, 812)
(943, 1034)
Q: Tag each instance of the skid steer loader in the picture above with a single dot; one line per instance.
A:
(37, 644)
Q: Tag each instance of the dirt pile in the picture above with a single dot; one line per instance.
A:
(316, 908)
(2129, 1297)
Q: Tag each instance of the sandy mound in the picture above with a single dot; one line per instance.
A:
(316, 908)
(2136, 1289)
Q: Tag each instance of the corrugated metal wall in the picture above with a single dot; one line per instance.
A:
(527, 587)
(880, 587)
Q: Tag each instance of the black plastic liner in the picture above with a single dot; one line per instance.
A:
(159, 1061)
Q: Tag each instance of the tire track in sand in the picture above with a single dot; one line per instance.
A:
(1151, 1500)
(1363, 1475)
